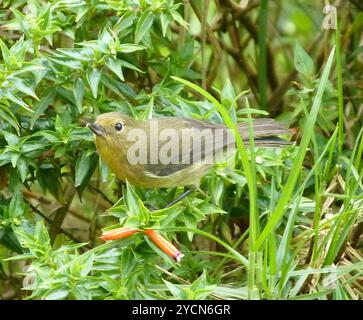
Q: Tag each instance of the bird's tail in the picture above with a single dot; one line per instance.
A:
(265, 132)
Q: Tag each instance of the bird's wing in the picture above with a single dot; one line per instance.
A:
(194, 144)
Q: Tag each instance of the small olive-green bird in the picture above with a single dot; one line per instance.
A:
(116, 141)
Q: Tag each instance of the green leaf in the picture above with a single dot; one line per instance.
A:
(60, 151)
(81, 293)
(165, 20)
(8, 116)
(129, 47)
(19, 50)
(18, 15)
(93, 78)
(177, 292)
(41, 235)
(190, 221)
(143, 25)
(10, 241)
(110, 284)
(47, 134)
(16, 205)
(36, 70)
(131, 199)
(121, 89)
(303, 63)
(14, 159)
(115, 66)
(148, 113)
(81, 14)
(48, 180)
(11, 138)
(128, 65)
(41, 105)
(56, 294)
(125, 21)
(73, 64)
(22, 166)
(45, 17)
(86, 262)
(18, 101)
(24, 87)
(5, 52)
(83, 165)
(78, 92)
(177, 17)
(228, 96)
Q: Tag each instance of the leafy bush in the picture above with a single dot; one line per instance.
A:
(275, 224)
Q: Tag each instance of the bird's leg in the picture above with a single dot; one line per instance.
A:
(150, 207)
(187, 191)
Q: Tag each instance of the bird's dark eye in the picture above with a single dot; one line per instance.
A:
(118, 126)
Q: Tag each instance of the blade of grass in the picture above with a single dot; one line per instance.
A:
(340, 88)
(342, 227)
(255, 258)
(360, 150)
(242, 238)
(331, 142)
(271, 246)
(329, 146)
(343, 224)
(318, 182)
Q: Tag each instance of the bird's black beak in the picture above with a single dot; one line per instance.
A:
(96, 128)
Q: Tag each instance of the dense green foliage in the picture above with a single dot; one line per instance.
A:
(274, 224)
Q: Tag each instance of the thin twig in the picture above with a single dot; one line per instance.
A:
(51, 222)
(101, 193)
(61, 212)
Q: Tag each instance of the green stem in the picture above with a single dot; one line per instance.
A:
(340, 89)
(235, 254)
(262, 60)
